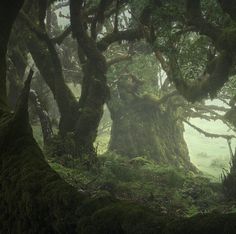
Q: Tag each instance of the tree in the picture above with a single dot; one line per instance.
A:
(81, 118)
(146, 124)
(146, 110)
(219, 29)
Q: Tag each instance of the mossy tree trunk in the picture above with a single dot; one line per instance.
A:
(94, 87)
(143, 127)
(94, 95)
(15, 72)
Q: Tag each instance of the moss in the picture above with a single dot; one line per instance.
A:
(34, 198)
(125, 218)
(135, 131)
(204, 224)
(169, 190)
(227, 39)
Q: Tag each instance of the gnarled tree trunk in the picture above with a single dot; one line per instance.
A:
(143, 127)
(94, 87)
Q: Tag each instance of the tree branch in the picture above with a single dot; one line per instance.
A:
(194, 16)
(127, 35)
(59, 39)
(209, 85)
(207, 134)
(61, 5)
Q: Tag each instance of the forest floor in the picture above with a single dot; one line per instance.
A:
(166, 189)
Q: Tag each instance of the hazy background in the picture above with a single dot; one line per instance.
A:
(210, 155)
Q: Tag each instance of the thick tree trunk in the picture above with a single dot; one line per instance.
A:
(142, 127)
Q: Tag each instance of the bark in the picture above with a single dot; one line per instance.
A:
(43, 118)
(143, 127)
(93, 97)
(8, 13)
(15, 75)
(94, 86)
(15, 86)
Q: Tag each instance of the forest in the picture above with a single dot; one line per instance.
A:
(118, 117)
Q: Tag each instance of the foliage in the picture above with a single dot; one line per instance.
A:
(167, 189)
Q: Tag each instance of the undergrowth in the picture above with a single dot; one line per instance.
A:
(170, 190)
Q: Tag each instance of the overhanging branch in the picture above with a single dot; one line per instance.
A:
(127, 35)
(195, 18)
(207, 134)
(203, 87)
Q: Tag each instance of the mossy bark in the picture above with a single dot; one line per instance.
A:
(34, 199)
(93, 97)
(142, 127)
(15, 72)
(94, 87)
